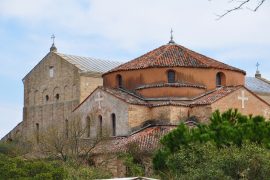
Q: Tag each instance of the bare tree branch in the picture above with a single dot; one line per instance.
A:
(240, 6)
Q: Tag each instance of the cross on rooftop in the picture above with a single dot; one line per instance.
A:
(257, 65)
(53, 37)
(99, 99)
(171, 41)
(243, 99)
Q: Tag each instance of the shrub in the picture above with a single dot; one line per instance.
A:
(228, 141)
(13, 168)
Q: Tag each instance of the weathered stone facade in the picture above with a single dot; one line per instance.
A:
(52, 89)
(162, 88)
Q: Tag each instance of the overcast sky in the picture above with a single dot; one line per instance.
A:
(122, 30)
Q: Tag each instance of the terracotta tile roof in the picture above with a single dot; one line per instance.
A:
(130, 97)
(173, 55)
(147, 140)
(178, 84)
(215, 95)
(203, 99)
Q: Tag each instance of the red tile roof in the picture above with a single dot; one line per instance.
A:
(147, 140)
(215, 95)
(173, 55)
(203, 99)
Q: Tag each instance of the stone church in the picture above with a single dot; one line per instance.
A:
(138, 101)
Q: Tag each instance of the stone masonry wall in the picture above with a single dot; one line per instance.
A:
(51, 92)
(253, 104)
(108, 105)
(88, 83)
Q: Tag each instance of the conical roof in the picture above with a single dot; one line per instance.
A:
(173, 55)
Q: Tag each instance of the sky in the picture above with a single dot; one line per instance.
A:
(122, 30)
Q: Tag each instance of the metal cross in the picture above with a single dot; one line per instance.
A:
(171, 34)
(243, 99)
(99, 99)
(257, 66)
(53, 37)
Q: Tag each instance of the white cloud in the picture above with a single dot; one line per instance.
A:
(133, 23)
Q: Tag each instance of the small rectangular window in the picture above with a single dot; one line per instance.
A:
(51, 71)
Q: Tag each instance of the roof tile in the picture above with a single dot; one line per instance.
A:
(173, 55)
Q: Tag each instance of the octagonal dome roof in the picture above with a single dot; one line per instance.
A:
(173, 55)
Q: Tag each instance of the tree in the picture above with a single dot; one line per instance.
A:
(224, 131)
(68, 143)
(205, 161)
(241, 4)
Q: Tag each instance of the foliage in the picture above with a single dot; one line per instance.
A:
(85, 172)
(226, 134)
(13, 168)
(133, 160)
(208, 162)
(18, 168)
(133, 168)
(15, 148)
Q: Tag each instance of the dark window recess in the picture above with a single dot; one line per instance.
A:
(37, 132)
(67, 128)
(113, 125)
(88, 123)
(171, 76)
(119, 81)
(218, 79)
(57, 96)
(47, 98)
(100, 125)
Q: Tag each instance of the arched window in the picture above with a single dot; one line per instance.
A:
(220, 79)
(88, 123)
(51, 71)
(171, 76)
(113, 125)
(119, 81)
(47, 98)
(57, 96)
(37, 132)
(56, 93)
(66, 128)
(100, 125)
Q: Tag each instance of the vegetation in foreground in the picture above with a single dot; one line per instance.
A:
(231, 146)
(15, 166)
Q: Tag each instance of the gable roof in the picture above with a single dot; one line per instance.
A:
(257, 85)
(88, 64)
(206, 98)
(85, 64)
(147, 140)
(173, 55)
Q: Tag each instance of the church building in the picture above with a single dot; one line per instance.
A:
(138, 101)
(168, 85)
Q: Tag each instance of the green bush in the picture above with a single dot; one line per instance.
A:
(12, 168)
(86, 172)
(230, 146)
(208, 162)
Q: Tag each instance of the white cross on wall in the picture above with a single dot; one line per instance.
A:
(243, 99)
(99, 99)
(266, 113)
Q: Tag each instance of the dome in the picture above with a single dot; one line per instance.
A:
(173, 55)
